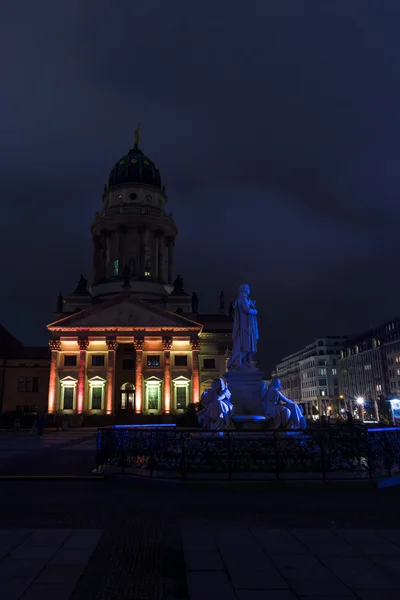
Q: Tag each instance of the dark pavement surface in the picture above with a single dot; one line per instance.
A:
(140, 554)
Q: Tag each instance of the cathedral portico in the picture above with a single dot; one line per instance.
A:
(133, 342)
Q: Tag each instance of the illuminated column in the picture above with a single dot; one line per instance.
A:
(55, 347)
(167, 345)
(139, 345)
(112, 346)
(195, 344)
(170, 258)
(83, 346)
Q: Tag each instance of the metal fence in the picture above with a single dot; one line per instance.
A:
(317, 453)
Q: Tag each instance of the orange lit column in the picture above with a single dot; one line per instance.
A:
(139, 345)
(195, 371)
(167, 345)
(83, 346)
(112, 346)
(55, 347)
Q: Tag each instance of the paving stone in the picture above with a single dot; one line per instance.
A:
(72, 557)
(362, 573)
(11, 568)
(48, 537)
(301, 567)
(389, 563)
(392, 535)
(278, 541)
(12, 589)
(257, 577)
(323, 542)
(312, 589)
(237, 545)
(35, 552)
(51, 591)
(369, 542)
(265, 595)
(83, 538)
(377, 594)
(197, 540)
(203, 561)
(60, 574)
(12, 538)
(213, 585)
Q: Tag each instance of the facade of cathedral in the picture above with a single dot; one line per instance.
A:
(134, 341)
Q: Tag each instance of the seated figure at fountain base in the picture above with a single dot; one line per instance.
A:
(218, 409)
(281, 412)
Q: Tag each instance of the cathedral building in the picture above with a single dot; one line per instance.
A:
(134, 341)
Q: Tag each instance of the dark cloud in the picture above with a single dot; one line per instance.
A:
(275, 126)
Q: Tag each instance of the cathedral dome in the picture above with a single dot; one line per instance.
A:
(135, 167)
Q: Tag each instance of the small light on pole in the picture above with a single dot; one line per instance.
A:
(360, 400)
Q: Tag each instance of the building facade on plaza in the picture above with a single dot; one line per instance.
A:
(310, 375)
(370, 364)
(134, 341)
(24, 375)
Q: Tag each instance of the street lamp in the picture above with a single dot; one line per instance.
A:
(360, 401)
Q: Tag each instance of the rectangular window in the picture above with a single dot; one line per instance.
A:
(21, 384)
(322, 382)
(28, 384)
(97, 360)
(321, 371)
(153, 395)
(209, 363)
(70, 360)
(180, 360)
(68, 398)
(128, 364)
(153, 360)
(398, 371)
(321, 363)
(334, 371)
(97, 393)
(367, 367)
(116, 267)
(35, 384)
(323, 392)
(181, 396)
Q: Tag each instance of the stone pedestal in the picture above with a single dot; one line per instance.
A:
(245, 387)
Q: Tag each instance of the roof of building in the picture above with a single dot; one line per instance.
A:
(10, 347)
(135, 167)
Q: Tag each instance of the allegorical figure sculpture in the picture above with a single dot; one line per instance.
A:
(281, 412)
(245, 330)
(218, 409)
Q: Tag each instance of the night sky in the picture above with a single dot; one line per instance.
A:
(275, 125)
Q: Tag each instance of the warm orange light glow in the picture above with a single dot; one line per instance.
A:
(110, 381)
(51, 403)
(51, 399)
(195, 371)
(167, 382)
(81, 381)
(139, 380)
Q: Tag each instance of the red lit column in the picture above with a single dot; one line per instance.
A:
(83, 346)
(167, 345)
(139, 345)
(55, 347)
(112, 346)
(195, 370)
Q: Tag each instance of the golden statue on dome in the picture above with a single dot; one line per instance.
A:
(136, 136)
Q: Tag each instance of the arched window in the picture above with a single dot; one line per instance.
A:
(128, 396)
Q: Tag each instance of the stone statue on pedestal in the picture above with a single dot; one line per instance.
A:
(281, 412)
(217, 412)
(245, 330)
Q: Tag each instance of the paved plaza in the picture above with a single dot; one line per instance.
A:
(135, 538)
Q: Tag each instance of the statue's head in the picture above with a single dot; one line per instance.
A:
(244, 289)
(219, 385)
(276, 384)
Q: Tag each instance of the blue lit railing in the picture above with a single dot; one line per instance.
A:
(316, 453)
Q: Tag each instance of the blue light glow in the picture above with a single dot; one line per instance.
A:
(249, 418)
(374, 429)
(149, 426)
